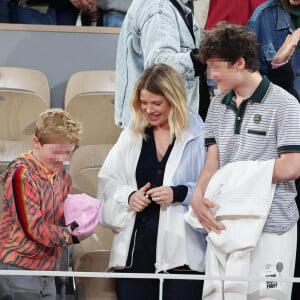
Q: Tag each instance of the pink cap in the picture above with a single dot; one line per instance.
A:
(82, 214)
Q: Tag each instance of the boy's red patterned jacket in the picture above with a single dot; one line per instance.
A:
(32, 230)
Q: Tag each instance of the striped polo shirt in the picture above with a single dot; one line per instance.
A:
(262, 127)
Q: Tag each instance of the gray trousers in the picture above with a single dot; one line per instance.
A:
(25, 287)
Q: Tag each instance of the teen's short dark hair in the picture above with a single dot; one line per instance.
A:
(230, 42)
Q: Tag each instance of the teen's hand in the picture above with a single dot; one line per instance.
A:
(161, 194)
(138, 201)
(201, 207)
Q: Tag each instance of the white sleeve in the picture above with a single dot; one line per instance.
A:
(114, 187)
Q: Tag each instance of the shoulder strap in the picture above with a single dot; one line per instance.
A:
(188, 20)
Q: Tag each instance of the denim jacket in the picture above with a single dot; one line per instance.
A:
(272, 24)
(153, 32)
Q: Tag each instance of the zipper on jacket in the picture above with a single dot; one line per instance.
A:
(131, 255)
(53, 203)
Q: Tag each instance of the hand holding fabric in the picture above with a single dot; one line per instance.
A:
(201, 207)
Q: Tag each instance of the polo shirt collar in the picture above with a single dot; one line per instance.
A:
(258, 96)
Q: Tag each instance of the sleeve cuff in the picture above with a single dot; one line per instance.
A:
(210, 141)
(289, 148)
(282, 75)
(75, 240)
(275, 66)
(130, 196)
(179, 193)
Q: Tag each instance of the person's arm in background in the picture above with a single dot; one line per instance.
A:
(4, 15)
(86, 5)
(280, 72)
(274, 63)
(276, 66)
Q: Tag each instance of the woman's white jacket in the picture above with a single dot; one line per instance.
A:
(177, 243)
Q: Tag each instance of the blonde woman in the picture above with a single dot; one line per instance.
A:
(145, 185)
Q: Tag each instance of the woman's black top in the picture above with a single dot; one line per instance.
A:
(142, 251)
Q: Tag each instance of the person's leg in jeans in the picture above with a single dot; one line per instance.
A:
(113, 19)
(24, 15)
(137, 289)
(4, 15)
(16, 287)
(48, 288)
(67, 16)
(182, 289)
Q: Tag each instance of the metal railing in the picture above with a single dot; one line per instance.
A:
(160, 276)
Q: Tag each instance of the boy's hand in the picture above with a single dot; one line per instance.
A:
(161, 194)
(138, 201)
(201, 207)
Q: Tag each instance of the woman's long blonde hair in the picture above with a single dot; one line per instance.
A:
(163, 80)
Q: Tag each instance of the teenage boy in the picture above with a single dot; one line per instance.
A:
(32, 229)
(253, 119)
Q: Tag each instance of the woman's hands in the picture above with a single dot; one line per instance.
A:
(139, 200)
(161, 194)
